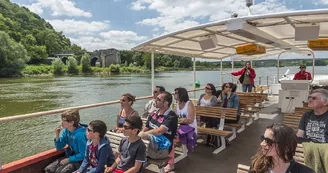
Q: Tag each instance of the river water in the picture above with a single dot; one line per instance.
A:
(23, 138)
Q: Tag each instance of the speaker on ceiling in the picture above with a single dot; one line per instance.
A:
(208, 42)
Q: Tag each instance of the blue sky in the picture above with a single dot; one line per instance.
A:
(121, 24)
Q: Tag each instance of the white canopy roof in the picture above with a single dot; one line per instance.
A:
(274, 31)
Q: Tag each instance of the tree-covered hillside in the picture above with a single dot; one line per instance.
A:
(34, 33)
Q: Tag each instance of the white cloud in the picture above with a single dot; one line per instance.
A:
(58, 8)
(181, 14)
(69, 26)
(325, 2)
(121, 40)
(35, 8)
(122, 36)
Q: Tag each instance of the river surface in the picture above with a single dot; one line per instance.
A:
(23, 138)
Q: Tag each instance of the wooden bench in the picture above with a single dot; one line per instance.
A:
(299, 154)
(302, 110)
(292, 120)
(222, 114)
(242, 168)
(250, 105)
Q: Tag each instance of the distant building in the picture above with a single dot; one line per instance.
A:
(104, 58)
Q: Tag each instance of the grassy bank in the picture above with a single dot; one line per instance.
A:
(36, 70)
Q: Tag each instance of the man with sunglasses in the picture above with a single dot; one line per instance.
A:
(302, 74)
(314, 124)
(164, 121)
(150, 106)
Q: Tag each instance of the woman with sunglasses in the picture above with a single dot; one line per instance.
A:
(187, 117)
(207, 99)
(277, 148)
(229, 99)
(127, 101)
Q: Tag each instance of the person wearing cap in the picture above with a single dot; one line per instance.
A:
(302, 74)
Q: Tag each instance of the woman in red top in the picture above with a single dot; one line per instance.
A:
(302, 74)
(247, 75)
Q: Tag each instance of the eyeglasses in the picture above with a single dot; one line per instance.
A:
(127, 127)
(267, 140)
(208, 88)
(64, 120)
(89, 130)
(313, 97)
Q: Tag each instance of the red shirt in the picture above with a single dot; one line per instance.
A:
(303, 76)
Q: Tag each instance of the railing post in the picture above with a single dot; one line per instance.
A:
(260, 80)
(267, 81)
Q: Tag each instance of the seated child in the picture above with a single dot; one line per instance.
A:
(132, 150)
(98, 151)
(70, 133)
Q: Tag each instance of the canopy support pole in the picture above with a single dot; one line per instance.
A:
(194, 72)
(152, 72)
(232, 68)
(221, 73)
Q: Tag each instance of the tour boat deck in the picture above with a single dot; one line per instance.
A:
(239, 151)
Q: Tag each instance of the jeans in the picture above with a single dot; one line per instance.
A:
(247, 87)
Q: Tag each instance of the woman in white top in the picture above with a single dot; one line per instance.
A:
(186, 113)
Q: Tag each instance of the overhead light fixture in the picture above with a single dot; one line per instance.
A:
(208, 42)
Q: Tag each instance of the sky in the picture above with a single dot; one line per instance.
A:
(122, 24)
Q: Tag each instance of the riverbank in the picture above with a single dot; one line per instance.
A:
(48, 70)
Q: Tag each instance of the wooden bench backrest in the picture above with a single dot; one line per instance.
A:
(242, 168)
(299, 154)
(115, 140)
(216, 112)
(262, 95)
(302, 110)
(292, 120)
(250, 99)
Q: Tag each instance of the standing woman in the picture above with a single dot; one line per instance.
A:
(277, 148)
(187, 117)
(127, 101)
(229, 99)
(247, 76)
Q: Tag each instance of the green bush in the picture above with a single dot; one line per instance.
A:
(13, 56)
(72, 66)
(37, 69)
(58, 66)
(114, 68)
(85, 62)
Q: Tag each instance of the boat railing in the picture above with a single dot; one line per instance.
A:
(56, 111)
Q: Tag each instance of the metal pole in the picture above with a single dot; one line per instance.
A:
(152, 71)
(232, 68)
(194, 70)
(221, 75)
(313, 64)
(278, 64)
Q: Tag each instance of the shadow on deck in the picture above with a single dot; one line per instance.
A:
(239, 151)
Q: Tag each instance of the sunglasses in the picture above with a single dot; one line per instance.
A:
(227, 86)
(89, 130)
(155, 92)
(127, 127)
(312, 97)
(302, 67)
(267, 140)
(208, 88)
(122, 100)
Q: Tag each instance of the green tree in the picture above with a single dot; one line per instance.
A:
(72, 66)
(58, 66)
(85, 62)
(114, 68)
(176, 63)
(13, 56)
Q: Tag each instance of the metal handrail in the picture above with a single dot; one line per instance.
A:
(56, 111)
